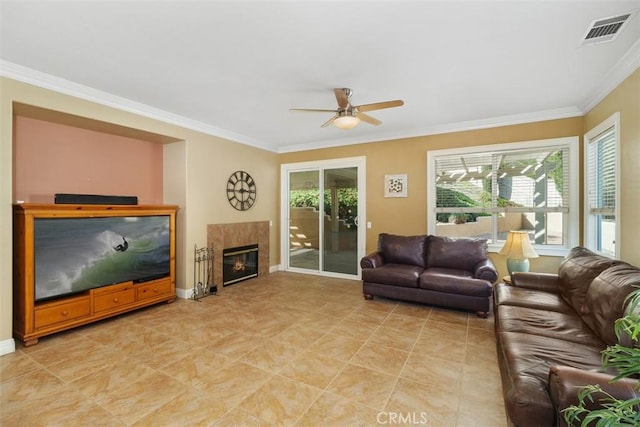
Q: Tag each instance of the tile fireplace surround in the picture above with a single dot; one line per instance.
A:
(223, 236)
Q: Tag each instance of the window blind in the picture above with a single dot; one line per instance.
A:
(601, 165)
(510, 181)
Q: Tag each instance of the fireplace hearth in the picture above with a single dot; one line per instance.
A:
(239, 263)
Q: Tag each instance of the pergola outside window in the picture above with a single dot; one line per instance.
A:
(488, 191)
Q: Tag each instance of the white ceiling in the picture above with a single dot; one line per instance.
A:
(234, 68)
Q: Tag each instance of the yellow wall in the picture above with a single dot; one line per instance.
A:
(409, 215)
(6, 238)
(196, 169)
(195, 173)
(625, 99)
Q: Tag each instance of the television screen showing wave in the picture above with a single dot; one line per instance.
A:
(76, 254)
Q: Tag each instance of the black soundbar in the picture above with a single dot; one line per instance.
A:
(94, 199)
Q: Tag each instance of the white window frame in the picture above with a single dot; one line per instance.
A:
(319, 165)
(590, 230)
(571, 223)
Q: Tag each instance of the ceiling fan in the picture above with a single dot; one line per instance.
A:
(348, 116)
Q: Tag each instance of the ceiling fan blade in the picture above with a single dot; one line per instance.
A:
(312, 110)
(341, 97)
(380, 105)
(328, 122)
(369, 119)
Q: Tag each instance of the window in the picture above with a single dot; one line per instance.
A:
(487, 191)
(601, 183)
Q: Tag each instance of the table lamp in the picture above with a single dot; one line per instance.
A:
(518, 250)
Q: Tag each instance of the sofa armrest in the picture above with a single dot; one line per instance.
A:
(565, 383)
(548, 282)
(373, 260)
(485, 270)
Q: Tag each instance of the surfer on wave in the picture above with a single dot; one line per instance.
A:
(122, 246)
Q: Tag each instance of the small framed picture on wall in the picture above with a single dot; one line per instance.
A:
(395, 185)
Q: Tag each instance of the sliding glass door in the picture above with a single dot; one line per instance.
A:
(340, 221)
(304, 224)
(324, 204)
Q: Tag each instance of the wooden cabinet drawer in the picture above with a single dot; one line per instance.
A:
(113, 300)
(153, 289)
(52, 313)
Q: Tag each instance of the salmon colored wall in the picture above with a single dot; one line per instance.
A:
(52, 158)
(196, 167)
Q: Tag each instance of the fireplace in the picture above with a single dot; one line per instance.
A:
(239, 263)
(237, 234)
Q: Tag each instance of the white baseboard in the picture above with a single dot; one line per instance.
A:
(187, 293)
(274, 268)
(7, 346)
(184, 293)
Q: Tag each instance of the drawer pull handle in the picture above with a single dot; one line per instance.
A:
(64, 312)
(116, 300)
(155, 289)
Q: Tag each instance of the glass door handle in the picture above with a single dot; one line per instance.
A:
(356, 221)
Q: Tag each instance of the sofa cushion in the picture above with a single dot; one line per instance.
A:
(605, 299)
(577, 271)
(408, 250)
(457, 253)
(526, 360)
(454, 282)
(393, 274)
(554, 324)
(525, 297)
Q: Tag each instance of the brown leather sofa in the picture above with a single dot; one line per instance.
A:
(453, 273)
(550, 331)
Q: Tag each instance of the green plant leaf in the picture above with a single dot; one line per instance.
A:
(626, 361)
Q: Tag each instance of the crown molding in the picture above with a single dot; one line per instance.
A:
(629, 63)
(67, 87)
(515, 119)
(616, 75)
(623, 68)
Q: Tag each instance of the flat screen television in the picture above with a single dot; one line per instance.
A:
(76, 254)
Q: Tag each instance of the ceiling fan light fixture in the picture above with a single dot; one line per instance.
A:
(348, 116)
(346, 120)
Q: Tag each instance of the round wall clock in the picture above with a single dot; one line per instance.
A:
(241, 190)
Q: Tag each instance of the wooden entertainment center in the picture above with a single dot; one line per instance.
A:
(34, 319)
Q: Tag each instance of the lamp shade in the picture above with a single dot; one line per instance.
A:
(518, 246)
(346, 120)
(518, 250)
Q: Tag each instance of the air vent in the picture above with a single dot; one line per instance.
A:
(605, 30)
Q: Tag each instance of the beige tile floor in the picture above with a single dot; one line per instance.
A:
(283, 349)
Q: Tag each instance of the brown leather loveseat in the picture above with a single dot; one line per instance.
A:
(454, 273)
(550, 331)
